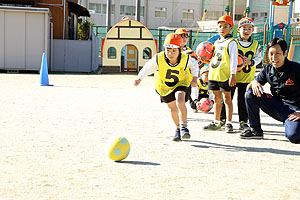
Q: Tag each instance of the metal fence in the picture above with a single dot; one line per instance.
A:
(160, 34)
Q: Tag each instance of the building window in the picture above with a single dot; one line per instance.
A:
(130, 10)
(147, 54)
(161, 12)
(254, 16)
(213, 15)
(264, 15)
(100, 8)
(142, 11)
(188, 14)
(111, 53)
(238, 17)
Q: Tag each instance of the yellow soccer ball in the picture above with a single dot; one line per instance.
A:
(118, 149)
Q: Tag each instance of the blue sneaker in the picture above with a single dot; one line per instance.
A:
(185, 133)
(177, 136)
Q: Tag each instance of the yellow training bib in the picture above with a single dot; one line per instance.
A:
(246, 75)
(167, 77)
(219, 69)
(202, 87)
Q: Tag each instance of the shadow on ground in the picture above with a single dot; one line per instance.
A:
(137, 163)
(234, 148)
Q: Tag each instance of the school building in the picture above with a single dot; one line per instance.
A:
(175, 13)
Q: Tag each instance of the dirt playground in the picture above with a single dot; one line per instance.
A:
(53, 140)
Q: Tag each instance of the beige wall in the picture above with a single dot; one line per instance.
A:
(14, 44)
(24, 36)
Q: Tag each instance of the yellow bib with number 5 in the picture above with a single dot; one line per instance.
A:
(167, 77)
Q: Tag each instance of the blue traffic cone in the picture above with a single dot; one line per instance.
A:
(44, 81)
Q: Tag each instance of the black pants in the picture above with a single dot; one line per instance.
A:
(242, 111)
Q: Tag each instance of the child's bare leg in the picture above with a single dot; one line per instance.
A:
(174, 112)
(180, 101)
(228, 105)
(217, 104)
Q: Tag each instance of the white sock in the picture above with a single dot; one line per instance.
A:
(217, 121)
(183, 124)
(229, 122)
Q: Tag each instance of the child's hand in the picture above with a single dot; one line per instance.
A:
(194, 82)
(232, 80)
(137, 82)
(247, 61)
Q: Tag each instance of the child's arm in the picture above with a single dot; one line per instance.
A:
(195, 93)
(233, 62)
(149, 68)
(214, 38)
(257, 58)
(193, 65)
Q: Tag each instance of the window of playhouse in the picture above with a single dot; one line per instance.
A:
(111, 53)
(147, 54)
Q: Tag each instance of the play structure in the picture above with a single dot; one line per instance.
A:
(287, 30)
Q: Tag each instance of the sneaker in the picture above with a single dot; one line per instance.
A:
(212, 127)
(185, 133)
(223, 122)
(177, 136)
(244, 126)
(228, 128)
(252, 134)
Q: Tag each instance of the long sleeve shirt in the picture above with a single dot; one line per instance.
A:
(151, 66)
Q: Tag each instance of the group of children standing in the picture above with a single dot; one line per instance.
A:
(176, 75)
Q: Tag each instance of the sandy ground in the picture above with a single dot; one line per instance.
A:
(53, 138)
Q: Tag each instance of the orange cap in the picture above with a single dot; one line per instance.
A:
(181, 31)
(173, 40)
(227, 19)
(245, 20)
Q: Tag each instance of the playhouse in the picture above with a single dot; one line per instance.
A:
(128, 45)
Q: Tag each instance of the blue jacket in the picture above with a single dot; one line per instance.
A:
(284, 82)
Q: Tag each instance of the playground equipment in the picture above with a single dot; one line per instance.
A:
(286, 30)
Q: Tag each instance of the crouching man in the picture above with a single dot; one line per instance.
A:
(284, 102)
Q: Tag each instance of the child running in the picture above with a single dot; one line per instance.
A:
(251, 51)
(222, 72)
(174, 73)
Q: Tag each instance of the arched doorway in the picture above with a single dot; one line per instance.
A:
(129, 58)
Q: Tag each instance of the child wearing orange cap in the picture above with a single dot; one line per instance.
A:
(173, 72)
(251, 51)
(185, 38)
(222, 70)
